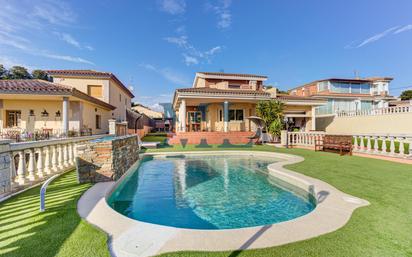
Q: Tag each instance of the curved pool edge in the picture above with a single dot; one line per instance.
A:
(130, 237)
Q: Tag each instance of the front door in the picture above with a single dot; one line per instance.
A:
(195, 119)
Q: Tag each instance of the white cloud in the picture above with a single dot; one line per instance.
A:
(403, 29)
(9, 62)
(173, 6)
(69, 39)
(168, 74)
(66, 58)
(391, 31)
(154, 102)
(191, 55)
(18, 20)
(189, 60)
(222, 12)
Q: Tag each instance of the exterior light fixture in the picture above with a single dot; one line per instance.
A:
(58, 113)
(44, 113)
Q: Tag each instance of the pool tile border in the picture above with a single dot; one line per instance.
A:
(130, 237)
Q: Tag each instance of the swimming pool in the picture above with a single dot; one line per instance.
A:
(208, 192)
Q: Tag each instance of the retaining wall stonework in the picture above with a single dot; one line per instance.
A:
(5, 162)
(107, 160)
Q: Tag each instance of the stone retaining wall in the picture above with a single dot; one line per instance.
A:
(5, 162)
(107, 160)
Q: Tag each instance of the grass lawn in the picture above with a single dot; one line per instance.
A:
(381, 229)
(59, 231)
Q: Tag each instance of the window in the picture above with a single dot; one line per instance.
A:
(13, 118)
(236, 115)
(120, 97)
(234, 86)
(219, 115)
(98, 122)
(95, 90)
(323, 85)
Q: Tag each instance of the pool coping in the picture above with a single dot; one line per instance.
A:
(130, 237)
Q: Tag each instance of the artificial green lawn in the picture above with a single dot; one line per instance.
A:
(382, 229)
(59, 231)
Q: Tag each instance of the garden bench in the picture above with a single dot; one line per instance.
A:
(334, 142)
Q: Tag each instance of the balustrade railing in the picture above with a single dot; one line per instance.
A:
(380, 111)
(34, 161)
(394, 145)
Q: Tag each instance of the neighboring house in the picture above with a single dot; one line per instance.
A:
(34, 105)
(76, 102)
(146, 110)
(101, 85)
(347, 95)
(221, 102)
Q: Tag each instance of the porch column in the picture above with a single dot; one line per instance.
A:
(65, 120)
(313, 118)
(182, 115)
(226, 116)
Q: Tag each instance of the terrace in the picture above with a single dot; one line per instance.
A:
(379, 229)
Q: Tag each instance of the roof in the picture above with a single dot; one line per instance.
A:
(90, 74)
(221, 91)
(43, 87)
(223, 74)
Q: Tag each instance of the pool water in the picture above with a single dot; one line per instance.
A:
(208, 192)
(103, 139)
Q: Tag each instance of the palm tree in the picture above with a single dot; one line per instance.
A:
(271, 112)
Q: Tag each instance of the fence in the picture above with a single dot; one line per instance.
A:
(27, 163)
(395, 145)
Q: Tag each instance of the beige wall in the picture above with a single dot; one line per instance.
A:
(111, 93)
(389, 124)
(87, 110)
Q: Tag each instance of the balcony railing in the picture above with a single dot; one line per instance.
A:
(380, 111)
(20, 135)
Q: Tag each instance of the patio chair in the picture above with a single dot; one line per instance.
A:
(256, 136)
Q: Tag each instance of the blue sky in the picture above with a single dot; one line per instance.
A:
(156, 46)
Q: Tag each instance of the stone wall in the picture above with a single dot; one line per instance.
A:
(5, 162)
(107, 160)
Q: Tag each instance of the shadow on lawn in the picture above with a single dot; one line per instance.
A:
(33, 233)
(250, 241)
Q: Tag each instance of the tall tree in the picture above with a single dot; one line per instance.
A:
(3, 72)
(39, 74)
(272, 113)
(406, 95)
(19, 72)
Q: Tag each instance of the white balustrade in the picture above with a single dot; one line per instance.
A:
(38, 160)
(380, 111)
(378, 144)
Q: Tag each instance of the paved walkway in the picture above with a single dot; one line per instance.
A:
(134, 238)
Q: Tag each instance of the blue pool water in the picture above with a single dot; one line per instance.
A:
(103, 139)
(208, 192)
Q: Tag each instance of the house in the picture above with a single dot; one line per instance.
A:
(347, 95)
(147, 111)
(78, 102)
(101, 85)
(221, 102)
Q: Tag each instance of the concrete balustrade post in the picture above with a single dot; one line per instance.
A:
(47, 160)
(384, 148)
(65, 156)
(54, 154)
(362, 144)
(392, 146)
(31, 166)
(70, 149)
(60, 161)
(368, 144)
(401, 146)
(40, 166)
(375, 148)
(13, 171)
(21, 169)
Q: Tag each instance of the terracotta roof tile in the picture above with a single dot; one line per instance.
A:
(222, 91)
(90, 73)
(42, 87)
(223, 74)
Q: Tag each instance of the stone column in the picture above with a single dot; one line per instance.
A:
(284, 138)
(182, 115)
(112, 127)
(65, 156)
(313, 118)
(54, 158)
(225, 116)
(65, 120)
